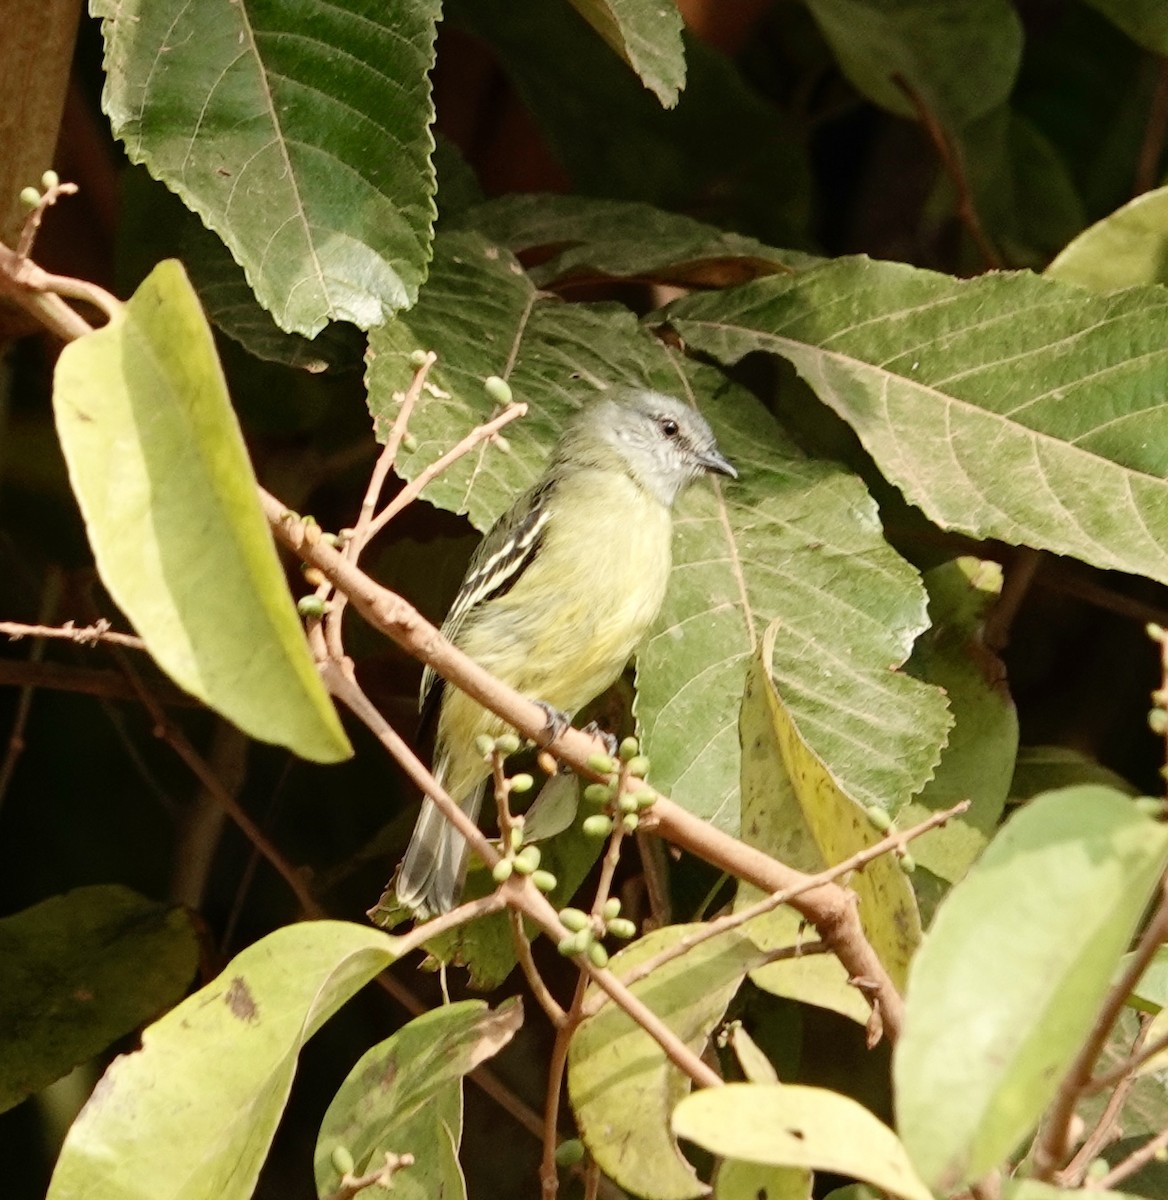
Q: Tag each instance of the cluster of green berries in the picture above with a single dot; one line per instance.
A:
(586, 929)
(617, 803)
(30, 197)
(518, 858)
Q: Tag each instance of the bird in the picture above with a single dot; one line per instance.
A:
(557, 598)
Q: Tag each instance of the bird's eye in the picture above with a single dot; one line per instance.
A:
(669, 427)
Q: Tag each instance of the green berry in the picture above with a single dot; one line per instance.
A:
(485, 745)
(627, 803)
(908, 864)
(310, 606)
(601, 764)
(645, 799)
(569, 1153)
(418, 358)
(598, 793)
(879, 817)
(409, 442)
(629, 748)
(529, 856)
(1158, 721)
(544, 880)
(30, 197)
(1154, 631)
(639, 765)
(501, 871)
(1098, 1168)
(521, 783)
(1150, 806)
(567, 946)
(621, 927)
(599, 825)
(501, 444)
(597, 955)
(333, 540)
(507, 743)
(612, 907)
(342, 1160)
(630, 821)
(574, 919)
(516, 838)
(50, 179)
(497, 389)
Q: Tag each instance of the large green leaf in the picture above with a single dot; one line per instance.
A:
(794, 809)
(622, 1085)
(176, 529)
(786, 1125)
(191, 1115)
(405, 1096)
(920, 41)
(647, 35)
(299, 133)
(1012, 973)
(81, 970)
(1126, 248)
(1008, 406)
(589, 238)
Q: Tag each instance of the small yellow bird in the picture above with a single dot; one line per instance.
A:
(558, 596)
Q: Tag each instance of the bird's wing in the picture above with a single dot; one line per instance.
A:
(496, 566)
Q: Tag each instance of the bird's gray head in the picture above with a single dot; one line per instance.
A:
(664, 443)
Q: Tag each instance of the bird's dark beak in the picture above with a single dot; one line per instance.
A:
(712, 462)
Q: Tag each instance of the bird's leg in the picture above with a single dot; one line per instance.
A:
(611, 743)
(557, 722)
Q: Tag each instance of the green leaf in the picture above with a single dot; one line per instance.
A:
(1144, 21)
(591, 237)
(1046, 768)
(647, 35)
(798, 542)
(1151, 993)
(1008, 406)
(1032, 1189)
(1012, 973)
(176, 530)
(978, 763)
(81, 970)
(405, 1096)
(191, 1115)
(1128, 247)
(737, 1180)
(877, 41)
(786, 1125)
(621, 1084)
(795, 810)
(299, 134)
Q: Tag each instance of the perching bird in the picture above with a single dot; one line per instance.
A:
(558, 596)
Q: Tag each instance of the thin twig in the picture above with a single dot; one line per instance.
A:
(950, 158)
(1130, 1165)
(380, 1177)
(549, 1178)
(86, 681)
(1129, 1066)
(721, 925)
(535, 981)
(88, 635)
(33, 221)
(1020, 575)
(1052, 1147)
(414, 489)
(1105, 1129)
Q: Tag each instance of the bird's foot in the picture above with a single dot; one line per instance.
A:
(611, 743)
(557, 722)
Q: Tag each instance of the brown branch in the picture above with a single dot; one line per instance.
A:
(1140, 1055)
(88, 635)
(381, 1177)
(711, 929)
(29, 287)
(950, 158)
(1130, 1165)
(535, 981)
(1052, 1147)
(549, 1179)
(85, 681)
(827, 906)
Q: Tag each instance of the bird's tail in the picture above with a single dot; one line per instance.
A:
(430, 878)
